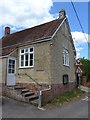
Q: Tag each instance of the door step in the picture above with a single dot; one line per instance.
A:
(30, 93)
(19, 87)
(26, 95)
(34, 102)
(33, 97)
(24, 91)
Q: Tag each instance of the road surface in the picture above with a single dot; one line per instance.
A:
(15, 109)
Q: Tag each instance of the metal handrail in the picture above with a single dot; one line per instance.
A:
(33, 79)
(39, 90)
(30, 78)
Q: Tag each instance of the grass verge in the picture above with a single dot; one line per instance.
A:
(66, 97)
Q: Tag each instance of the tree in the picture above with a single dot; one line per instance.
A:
(85, 67)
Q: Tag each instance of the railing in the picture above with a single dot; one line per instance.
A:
(39, 90)
(33, 79)
(30, 78)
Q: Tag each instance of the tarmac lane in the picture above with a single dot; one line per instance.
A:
(14, 109)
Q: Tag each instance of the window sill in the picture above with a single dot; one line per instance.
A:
(66, 66)
(26, 67)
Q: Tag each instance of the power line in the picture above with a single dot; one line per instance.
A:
(73, 40)
(79, 20)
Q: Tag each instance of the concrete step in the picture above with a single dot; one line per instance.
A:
(19, 87)
(27, 94)
(24, 91)
(34, 102)
(32, 97)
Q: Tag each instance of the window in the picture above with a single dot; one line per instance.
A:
(27, 57)
(65, 79)
(65, 57)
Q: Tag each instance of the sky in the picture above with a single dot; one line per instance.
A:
(22, 14)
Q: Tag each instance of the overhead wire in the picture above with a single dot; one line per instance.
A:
(79, 20)
(73, 40)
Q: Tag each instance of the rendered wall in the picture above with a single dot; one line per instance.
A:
(60, 41)
(41, 69)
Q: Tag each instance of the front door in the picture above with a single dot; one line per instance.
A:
(11, 71)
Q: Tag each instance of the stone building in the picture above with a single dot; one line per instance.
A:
(39, 57)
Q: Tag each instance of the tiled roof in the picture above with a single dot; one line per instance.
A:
(31, 34)
(7, 51)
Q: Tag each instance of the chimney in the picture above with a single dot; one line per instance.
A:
(7, 30)
(62, 14)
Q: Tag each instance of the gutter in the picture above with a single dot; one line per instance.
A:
(8, 54)
(43, 39)
(29, 42)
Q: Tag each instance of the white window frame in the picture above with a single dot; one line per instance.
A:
(65, 57)
(28, 52)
